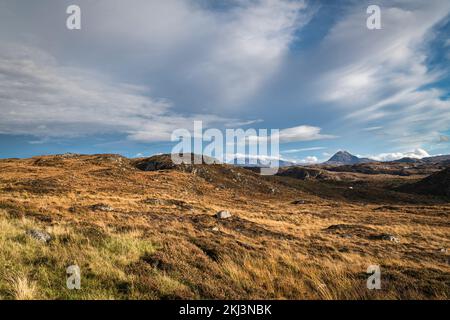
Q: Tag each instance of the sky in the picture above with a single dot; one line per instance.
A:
(140, 69)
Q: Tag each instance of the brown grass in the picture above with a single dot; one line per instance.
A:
(160, 240)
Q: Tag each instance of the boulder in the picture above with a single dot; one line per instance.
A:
(385, 236)
(39, 235)
(101, 207)
(223, 214)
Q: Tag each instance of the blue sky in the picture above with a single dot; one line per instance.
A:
(138, 69)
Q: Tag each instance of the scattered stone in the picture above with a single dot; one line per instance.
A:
(386, 236)
(39, 235)
(443, 250)
(223, 214)
(351, 188)
(215, 229)
(101, 207)
(298, 202)
(390, 237)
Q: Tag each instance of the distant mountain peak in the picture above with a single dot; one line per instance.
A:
(343, 153)
(345, 157)
(258, 163)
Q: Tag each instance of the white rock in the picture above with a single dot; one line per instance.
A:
(223, 214)
(390, 237)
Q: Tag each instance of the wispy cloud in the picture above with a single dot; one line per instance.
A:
(372, 128)
(303, 149)
(388, 78)
(41, 98)
(303, 133)
(164, 64)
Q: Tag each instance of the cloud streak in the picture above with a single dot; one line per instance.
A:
(42, 98)
(146, 69)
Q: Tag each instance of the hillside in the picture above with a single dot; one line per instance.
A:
(437, 184)
(146, 229)
(392, 168)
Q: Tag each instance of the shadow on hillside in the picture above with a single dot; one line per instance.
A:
(365, 191)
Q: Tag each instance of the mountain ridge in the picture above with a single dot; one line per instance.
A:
(343, 157)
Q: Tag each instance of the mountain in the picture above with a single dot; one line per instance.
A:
(344, 157)
(444, 159)
(241, 162)
(408, 160)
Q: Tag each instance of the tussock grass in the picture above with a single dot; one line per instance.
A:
(174, 248)
(21, 288)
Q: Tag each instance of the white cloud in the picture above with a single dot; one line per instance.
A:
(372, 128)
(309, 160)
(253, 41)
(39, 97)
(185, 49)
(303, 149)
(216, 62)
(253, 157)
(294, 134)
(268, 158)
(415, 154)
(382, 75)
(303, 133)
(43, 98)
(196, 57)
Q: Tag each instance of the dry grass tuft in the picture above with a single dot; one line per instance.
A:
(21, 288)
(160, 239)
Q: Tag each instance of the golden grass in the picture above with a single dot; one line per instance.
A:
(22, 288)
(269, 249)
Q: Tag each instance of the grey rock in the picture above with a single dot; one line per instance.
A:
(101, 207)
(384, 236)
(223, 214)
(390, 237)
(39, 235)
